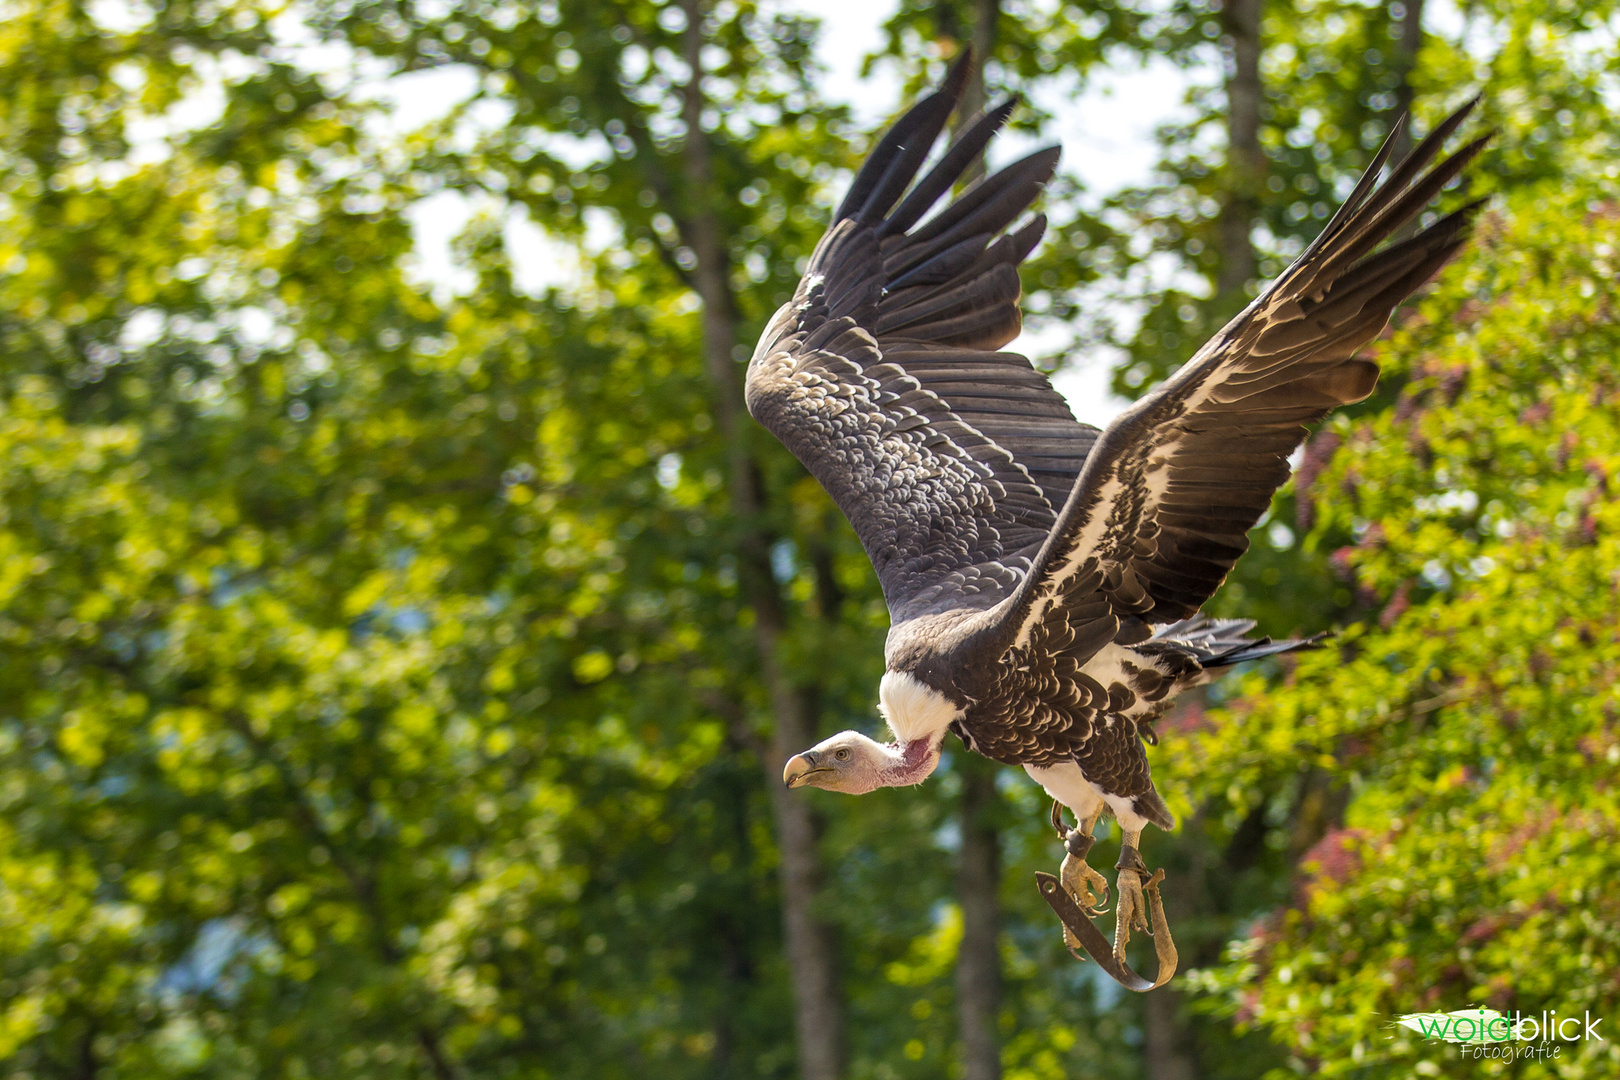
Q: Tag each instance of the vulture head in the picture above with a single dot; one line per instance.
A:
(855, 764)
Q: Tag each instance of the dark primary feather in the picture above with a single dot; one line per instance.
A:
(1163, 507)
(882, 374)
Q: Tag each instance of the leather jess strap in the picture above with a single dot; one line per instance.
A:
(1098, 946)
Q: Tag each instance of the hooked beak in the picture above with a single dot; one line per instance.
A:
(799, 767)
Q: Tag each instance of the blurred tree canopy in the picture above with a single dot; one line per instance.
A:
(390, 677)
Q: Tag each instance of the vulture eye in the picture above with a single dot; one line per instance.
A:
(842, 755)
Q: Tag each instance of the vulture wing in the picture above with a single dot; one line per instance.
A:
(881, 374)
(1164, 504)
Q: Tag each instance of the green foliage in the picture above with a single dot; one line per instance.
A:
(377, 694)
(1474, 722)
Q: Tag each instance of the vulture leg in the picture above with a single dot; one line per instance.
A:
(1138, 903)
(1089, 888)
(1131, 913)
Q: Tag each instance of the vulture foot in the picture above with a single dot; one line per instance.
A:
(1089, 888)
(1074, 899)
(1131, 913)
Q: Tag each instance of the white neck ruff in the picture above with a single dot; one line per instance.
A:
(914, 711)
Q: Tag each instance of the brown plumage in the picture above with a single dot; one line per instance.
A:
(1044, 578)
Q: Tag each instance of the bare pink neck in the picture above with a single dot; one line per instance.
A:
(910, 763)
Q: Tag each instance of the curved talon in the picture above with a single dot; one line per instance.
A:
(1131, 912)
(1089, 888)
(1151, 887)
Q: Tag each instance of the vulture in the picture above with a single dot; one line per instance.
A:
(1044, 577)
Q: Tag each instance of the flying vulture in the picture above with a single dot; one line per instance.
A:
(1044, 577)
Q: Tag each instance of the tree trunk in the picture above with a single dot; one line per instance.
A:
(1167, 1038)
(819, 1017)
(811, 956)
(986, 13)
(87, 1066)
(978, 963)
(1408, 44)
(1245, 161)
(1164, 1049)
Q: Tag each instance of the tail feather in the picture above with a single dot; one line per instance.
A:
(1150, 804)
(1221, 642)
(1257, 650)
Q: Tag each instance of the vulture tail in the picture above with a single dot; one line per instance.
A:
(1150, 804)
(1256, 650)
(1216, 643)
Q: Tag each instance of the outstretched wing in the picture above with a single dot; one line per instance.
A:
(881, 374)
(1164, 504)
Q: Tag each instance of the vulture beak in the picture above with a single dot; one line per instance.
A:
(799, 767)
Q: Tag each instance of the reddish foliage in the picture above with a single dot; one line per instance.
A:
(1608, 208)
(1260, 932)
(1595, 747)
(1249, 1009)
(1410, 405)
(1599, 472)
(1535, 414)
(1419, 447)
(1397, 605)
(1332, 860)
(1499, 993)
(1566, 448)
(1469, 312)
(1510, 846)
(1318, 452)
(1354, 747)
(1484, 929)
(1452, 381)
(1187, 719)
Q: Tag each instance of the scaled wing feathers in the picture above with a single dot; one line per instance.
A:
(881, 374)
(1163, 507)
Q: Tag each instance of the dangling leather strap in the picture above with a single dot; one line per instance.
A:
(1098, 946)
